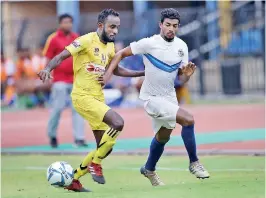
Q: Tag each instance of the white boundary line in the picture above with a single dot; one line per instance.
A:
(42, 168)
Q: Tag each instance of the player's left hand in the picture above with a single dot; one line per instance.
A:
(189, 69)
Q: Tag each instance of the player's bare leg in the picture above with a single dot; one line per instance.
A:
(186, 120)
(116, 124)
(156, 151)
(98, 134)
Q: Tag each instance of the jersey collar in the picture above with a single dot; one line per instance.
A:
(167, 43)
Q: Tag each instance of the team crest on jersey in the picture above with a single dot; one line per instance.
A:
(180, 53)
(96, 51)
(76, 44)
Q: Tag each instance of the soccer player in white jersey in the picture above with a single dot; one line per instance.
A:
(165, 56)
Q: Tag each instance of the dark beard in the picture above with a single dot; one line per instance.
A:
(168, 39)
(105, 38)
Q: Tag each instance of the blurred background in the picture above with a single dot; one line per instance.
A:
(226, 40)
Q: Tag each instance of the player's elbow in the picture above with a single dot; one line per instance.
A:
(124, 52)
(116, 71)
(119, 55)
(63, 55)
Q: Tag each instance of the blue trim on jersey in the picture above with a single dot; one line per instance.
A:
(161, 65)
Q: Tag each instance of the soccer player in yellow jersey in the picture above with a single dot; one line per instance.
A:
(92, 53)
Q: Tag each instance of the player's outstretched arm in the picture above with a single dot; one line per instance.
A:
(115, 61)
(124, 72)
(57, 60)
(45, 73)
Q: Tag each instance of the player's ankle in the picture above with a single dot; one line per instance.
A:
(194, 160)
(77, 176)
(78, 173)
(96, 163)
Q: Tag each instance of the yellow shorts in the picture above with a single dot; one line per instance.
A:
(92, 109)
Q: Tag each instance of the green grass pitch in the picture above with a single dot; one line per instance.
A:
(231, 177)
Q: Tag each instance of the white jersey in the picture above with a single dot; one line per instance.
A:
(162, 60)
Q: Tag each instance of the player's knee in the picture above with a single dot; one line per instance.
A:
(162, 139)
(189, 120)
(114, 120)
(118, 124)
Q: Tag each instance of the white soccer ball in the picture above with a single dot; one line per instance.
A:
(60, 174)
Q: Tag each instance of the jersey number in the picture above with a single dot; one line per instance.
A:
(103, 59)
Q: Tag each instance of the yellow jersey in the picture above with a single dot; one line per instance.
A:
(90, 58)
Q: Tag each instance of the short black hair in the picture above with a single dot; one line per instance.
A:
(169, 13)
(64, 16)
(105, 13)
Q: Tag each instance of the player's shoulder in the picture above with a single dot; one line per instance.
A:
(147, 41)
(89, 36)
(155, 37)
(86, 38)
(180, 42)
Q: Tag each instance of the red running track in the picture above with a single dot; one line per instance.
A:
(29, 127)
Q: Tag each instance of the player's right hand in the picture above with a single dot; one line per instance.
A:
(189, 69)
(45, 75)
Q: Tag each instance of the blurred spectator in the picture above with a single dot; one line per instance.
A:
(31, 92)
(38, 60)
(62, 82)
(25, 73)
(182, 92)
(7, 81)
(38, 63)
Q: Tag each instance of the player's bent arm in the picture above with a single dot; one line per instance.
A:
(115, 61)
(57, 60)
(124, 72)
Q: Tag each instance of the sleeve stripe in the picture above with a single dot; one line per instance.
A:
(47, 43)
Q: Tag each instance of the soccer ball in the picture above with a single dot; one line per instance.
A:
(60, 174)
